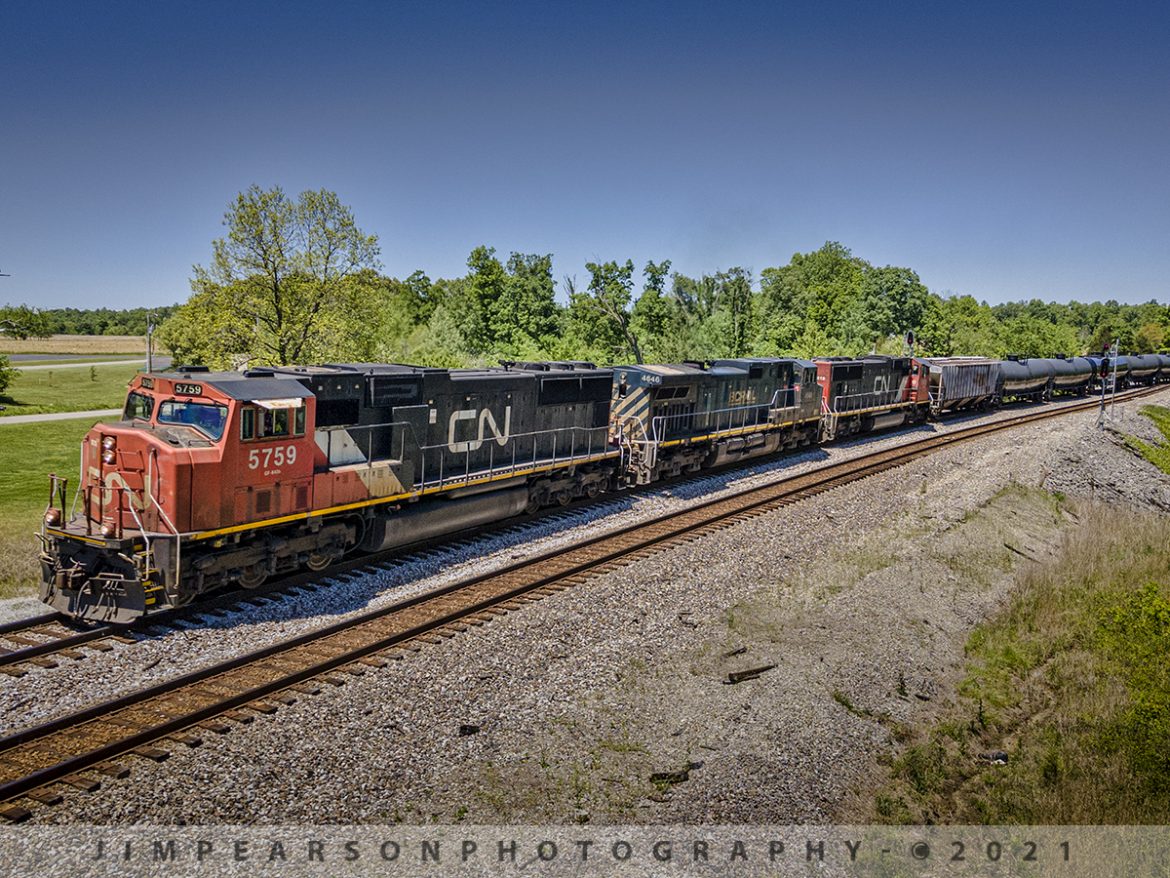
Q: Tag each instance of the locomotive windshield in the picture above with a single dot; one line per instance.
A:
(138, 407)
(206, 418)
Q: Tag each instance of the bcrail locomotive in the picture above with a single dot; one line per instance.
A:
(223, 479)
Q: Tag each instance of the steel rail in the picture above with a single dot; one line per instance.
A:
(57, 749)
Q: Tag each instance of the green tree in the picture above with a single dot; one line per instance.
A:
(1149, 338)
(821, 288)
(654, 317)
(277, 283)
(7, 373)
(21, 321)
(599, 317)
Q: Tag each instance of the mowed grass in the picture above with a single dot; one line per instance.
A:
(75, 344)
(28, 453)
(1072, 682)
(71, 389)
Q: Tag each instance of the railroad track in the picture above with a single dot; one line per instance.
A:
(48, 640)
(77, 749)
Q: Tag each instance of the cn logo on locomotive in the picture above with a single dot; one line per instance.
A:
(486, 420)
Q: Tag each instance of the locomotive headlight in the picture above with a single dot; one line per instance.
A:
(109, 456)
(109, 529)
(110, 443)
(53, 517)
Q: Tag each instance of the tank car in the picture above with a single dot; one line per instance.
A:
(1144, 368)
(1164, 371)
(1028, 378)
(1071, 375)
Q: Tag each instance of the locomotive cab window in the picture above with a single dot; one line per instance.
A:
(207, 418)
(264, 423)
(138, 407)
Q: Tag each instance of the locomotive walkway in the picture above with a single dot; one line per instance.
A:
(77, 749)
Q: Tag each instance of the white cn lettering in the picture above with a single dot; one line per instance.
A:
(486, 421)
(114, 480)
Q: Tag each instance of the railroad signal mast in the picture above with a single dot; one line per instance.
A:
(1108, 388)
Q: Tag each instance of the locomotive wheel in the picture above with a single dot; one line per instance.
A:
(592, 489)
(318, 561)
(254, 576)
(564, 497)
(533, 506)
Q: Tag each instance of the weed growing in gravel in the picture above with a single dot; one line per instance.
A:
(1157, 453)
(1070, 683)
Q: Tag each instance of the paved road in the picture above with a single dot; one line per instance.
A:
(159, 363)
(58, 416)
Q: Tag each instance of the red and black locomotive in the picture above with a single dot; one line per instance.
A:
(219, 479)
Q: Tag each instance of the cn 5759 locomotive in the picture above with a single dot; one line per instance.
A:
(222, 479)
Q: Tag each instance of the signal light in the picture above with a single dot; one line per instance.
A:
(109, 456)
(53, 517)
(109, 443)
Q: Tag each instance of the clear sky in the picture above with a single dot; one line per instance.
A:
(1007, 150)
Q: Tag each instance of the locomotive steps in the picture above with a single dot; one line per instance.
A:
(179, 709)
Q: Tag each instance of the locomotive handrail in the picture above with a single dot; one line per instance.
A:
(657, 421)
(515, 440)
(166, 519)
(870, 399)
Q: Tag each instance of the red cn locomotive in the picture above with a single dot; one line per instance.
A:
(213, 479)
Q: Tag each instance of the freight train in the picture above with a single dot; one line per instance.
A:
(213, 480)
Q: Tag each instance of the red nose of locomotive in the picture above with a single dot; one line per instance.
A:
(120, 476)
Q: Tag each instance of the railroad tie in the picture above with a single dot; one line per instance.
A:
(81, 782)
(154, 754)
(15, 813)
(46, 797)
(22, 640)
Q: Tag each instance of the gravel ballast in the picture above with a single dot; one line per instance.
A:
(859, 597)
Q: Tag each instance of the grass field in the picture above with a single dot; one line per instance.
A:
(28, 453)
(1071, 682)
(73, 389)
(75, 344)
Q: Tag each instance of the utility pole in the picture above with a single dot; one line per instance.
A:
(149, 341)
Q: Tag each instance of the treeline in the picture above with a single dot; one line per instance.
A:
(825, 302)
(38, 323)
(295, 280)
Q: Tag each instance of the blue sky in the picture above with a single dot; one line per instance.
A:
(1003, 150)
